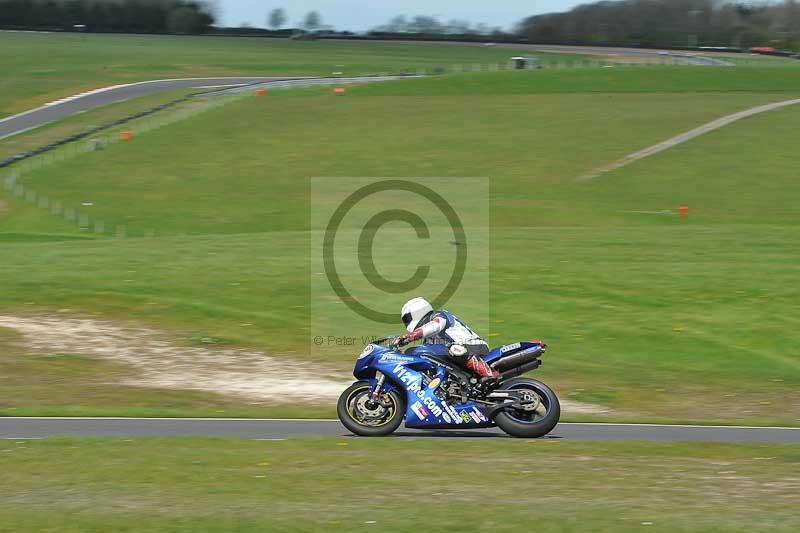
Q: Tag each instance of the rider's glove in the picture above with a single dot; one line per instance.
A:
(401, 341)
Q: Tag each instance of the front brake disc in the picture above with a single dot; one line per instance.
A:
(377, 413)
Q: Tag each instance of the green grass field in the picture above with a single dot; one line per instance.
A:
(653, 317)
(648, 316)
(63, 128)
(128, 484)
(618, 79)
(38, 68)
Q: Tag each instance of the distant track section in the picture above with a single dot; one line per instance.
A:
(79, 103)
(304, 82)
(686, 136)
(676, 57)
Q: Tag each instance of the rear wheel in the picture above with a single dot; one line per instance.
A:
(362, 418)
(538, 417)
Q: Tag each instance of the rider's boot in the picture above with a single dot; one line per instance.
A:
(481, 367)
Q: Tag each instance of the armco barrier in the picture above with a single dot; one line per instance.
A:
(67, 147)
(87, 133)
(216, 92)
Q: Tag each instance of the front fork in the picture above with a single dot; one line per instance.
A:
(375, 393)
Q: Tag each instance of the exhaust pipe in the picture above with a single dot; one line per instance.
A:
(527, 367)
(517, 359)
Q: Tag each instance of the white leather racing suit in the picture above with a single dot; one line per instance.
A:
(445, 328)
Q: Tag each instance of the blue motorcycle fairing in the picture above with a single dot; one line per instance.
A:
(423, 408)
(435, 350)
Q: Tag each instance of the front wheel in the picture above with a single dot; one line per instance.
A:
(361, 418)
(537, 418)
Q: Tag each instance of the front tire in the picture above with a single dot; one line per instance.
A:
(361, 420)
(535, 423)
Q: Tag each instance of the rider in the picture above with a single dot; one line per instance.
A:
(443, 327)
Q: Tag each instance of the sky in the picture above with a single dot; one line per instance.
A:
(361, 15)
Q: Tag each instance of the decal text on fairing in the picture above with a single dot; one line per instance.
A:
(367, 350)
(453, 413)
(479, 414)
(394, 358)
(420, 411)
(408, 378)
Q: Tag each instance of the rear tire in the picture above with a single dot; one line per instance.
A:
(353, 417)
(529, 424)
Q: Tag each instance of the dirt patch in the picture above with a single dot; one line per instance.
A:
(159, 363)
(3, 207)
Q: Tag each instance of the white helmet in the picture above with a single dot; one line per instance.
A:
(414, 311)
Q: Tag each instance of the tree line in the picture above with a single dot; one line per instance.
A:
(649, 23)
(670, 23)
(277, 19)
(400, 24)
(423, 24)
(128, 16)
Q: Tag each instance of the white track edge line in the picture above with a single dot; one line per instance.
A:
(125, 85)
(600, 424)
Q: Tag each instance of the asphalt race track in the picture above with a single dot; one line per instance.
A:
(73, 105)
(77, 104)
(689, 57)
(29, 428)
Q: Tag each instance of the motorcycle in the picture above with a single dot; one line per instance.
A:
(424, 386)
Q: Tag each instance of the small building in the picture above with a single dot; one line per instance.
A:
(525, 62)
